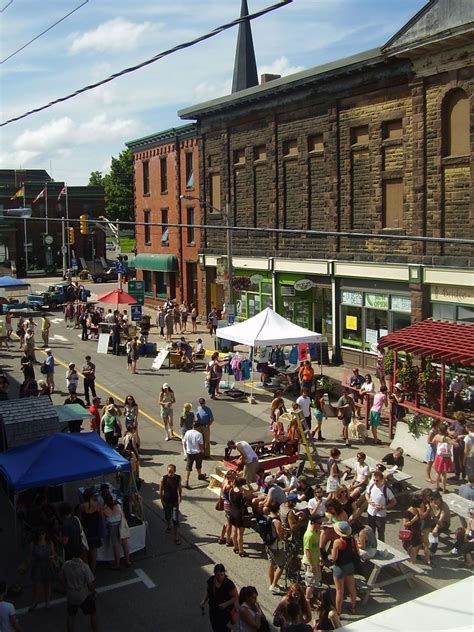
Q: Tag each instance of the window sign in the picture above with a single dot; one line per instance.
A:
(378, 301)
(351, 323)
(352, 298)
(371, 336)
(401, 303)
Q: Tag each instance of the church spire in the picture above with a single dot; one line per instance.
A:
(245, 66)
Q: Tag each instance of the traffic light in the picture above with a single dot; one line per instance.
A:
(83, 224)
(71, 236)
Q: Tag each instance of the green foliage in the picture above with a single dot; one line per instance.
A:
(118, 187)
(429, 380)
(418, 424)
(324, 383)
(407, 374)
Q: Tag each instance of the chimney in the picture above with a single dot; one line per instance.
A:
(267, 77)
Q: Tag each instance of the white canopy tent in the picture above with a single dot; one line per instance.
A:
(268, 328)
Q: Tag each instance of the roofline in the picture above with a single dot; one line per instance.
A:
(310, 75)
(182, 132)
(410, 23)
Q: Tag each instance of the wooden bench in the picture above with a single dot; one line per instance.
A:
(397, 561)
(215, 483)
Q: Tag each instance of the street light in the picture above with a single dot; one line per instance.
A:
(230, 268)
(23, 213)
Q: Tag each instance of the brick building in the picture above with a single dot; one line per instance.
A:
(380, 143)
(166, 168)
(80, 200)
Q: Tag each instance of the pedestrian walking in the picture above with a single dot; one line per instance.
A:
(166, 401)
(380, 400)
(134, 355)
(83, 319)
(29, 344)
(193, 445)
(78, 582)
(212, 375)
(194, 315)
(40, 561)
(171, 495)
(221, 594)
(345, 412)
(94, 410)
(49, 366)
(88, 371)
(72, 378)
(116, 331)
(169, 322)
(187, 419)
(160, 320)
(45, 327)
(205, 419)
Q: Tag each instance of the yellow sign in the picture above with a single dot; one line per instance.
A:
(351, 323)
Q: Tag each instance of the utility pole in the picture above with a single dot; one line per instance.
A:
(229, 308)
(63, 246)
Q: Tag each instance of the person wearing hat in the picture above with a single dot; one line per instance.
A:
(49, 369)
(311, 555)
(344, 554)
(94, 410)
(43, 389)
(291, 519)
(72, 378)
(397, 398)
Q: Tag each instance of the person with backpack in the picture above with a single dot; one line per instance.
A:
(379, 498)
(443, 462)
(271, 531)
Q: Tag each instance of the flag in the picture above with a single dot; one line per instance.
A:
(41, 194)
(62, 192)
(19, 193)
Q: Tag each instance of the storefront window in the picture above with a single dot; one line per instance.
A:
(376, 326)
(252, 302)
(400, 320)
(147, 281)
(351, 326)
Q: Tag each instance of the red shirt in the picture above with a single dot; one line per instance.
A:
(95, 421)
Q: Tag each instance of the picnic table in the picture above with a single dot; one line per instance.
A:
(388, 557)
(458, 505)
(398, 475)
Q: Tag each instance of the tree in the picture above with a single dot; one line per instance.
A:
(118, 187)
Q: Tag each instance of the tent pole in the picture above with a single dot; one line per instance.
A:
(251, 399)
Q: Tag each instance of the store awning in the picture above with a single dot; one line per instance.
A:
(155, 263)
(443, 341)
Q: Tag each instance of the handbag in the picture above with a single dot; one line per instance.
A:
(220, 504)
(264, 625)
(43, 369)
(405, 535)
(84, 541)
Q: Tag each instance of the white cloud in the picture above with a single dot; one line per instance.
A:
(17, 159)
(280, 66)
(52, 134)
(113, 36)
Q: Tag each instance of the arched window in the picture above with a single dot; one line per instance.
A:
(456, 129)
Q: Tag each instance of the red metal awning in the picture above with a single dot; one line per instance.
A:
(452, 343)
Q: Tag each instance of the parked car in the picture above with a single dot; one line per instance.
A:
(111, 275)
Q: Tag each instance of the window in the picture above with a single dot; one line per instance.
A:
(251, 302)
(165, 233)
(190, 220)
(239, 157)
(260, 152)
(147, 227)
(163, 175)
(376, 326)
(392, 129)
(351, 325)
(215, 190)
(456, 131)
(147, 282)
(146, 177)
(360, 135)
(160, 284)
(392, 203)
(189, 170)
(316, 143)
(290, 147)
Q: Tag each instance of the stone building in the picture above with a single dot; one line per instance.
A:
(166, 169)
(377, 144)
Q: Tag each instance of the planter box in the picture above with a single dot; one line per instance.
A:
(412, 446)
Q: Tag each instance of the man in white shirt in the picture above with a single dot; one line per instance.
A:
(288, 479)
(361, 476)
(317, 505)
(193, 445)
(380, 498)
(8, 620)
(248, 457)
(304, 402)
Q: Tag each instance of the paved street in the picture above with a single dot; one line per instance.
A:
(175, 576)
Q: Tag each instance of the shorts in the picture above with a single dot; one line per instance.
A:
(171, 512)
(311, 579)
(374, 418)
(307, 422)
(276, 556)
(250, 472)
(346, 421)
(113, 531)
(87, 606)
(166, 412)
(193, 458)
(346, 570)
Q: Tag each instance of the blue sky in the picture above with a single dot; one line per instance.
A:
(72, 139)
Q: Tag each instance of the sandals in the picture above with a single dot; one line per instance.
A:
(229, 543)
(236, 551)
(243, 554)
(221, 541)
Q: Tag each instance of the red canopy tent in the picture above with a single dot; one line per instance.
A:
(117, 297)
(444, 342)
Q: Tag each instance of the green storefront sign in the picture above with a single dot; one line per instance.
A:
(137, 290)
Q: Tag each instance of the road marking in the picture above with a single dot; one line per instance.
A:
(58, 338)
(56, 321)
(141, 578)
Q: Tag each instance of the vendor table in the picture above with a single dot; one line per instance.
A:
(390, 558)
(268, 462)
(399, 476)
(458, 505)
(136, 542)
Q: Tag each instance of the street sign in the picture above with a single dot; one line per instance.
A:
(136, 311)
(137, 290)
(231, 319)
(64, 249)
(119, 267)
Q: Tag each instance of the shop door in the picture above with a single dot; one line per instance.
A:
(298, 312)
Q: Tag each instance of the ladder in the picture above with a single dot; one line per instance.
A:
(307, 444)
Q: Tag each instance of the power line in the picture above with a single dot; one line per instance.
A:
(166, 53)
(42, 32)
(6, 6)
(278, 231)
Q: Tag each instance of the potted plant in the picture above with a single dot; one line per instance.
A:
(324, 383)
(418, 424)
(430, 383)
(407, 375)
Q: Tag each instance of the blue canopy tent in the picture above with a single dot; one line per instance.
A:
(59, 458)
(8, 282)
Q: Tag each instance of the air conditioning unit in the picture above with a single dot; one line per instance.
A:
(287, 290)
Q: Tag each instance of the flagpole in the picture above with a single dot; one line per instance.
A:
(46, 204)
(25, 233)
